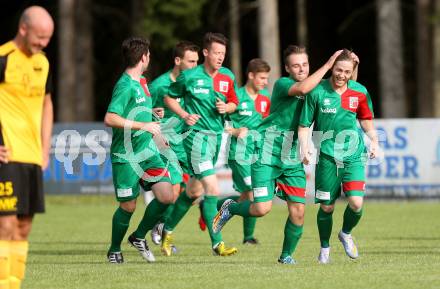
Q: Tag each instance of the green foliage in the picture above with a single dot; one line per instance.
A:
(398, 245)
(167, 22)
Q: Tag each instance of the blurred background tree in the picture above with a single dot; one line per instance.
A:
(398, 46)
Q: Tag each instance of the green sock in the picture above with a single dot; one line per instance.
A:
(249, 227)
(181, 207)
(292, 234)
(325, 224)
(120, 223)
(151, 216)
(209, 212)
(351, 219)
(241, 209)
(220, 202)
(166, 215)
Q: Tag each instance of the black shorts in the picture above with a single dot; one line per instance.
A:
(21, 189)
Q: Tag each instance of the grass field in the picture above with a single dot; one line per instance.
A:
(399, 243)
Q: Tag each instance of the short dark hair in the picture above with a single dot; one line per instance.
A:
(183, 46)
(293, 49)
(257, 65)
(133, 49)
(211, 37)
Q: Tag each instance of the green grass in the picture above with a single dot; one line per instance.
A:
(399, 243)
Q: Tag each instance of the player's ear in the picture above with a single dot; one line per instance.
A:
(177, 60)
(205, 52)
(251, 75)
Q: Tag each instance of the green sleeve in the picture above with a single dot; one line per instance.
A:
(159, 94)
(282, 86)
(308, 111)
(120, 98)
(177, 88)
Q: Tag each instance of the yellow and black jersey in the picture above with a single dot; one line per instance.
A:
(23, 86)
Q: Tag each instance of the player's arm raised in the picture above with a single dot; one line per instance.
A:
(305, 86)
(114, 120)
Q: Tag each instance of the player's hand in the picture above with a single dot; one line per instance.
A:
(160, 141)
(159, 111)
(237, 132)
(355, 58)
(374, 150)
(332, 59)
(306, 155)
(4, 154)
(152, 127)
(191, 119)
(45, 163)
(221, 106)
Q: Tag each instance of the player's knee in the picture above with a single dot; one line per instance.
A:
(7, 228)
(129, 206)
(355, 203)
(328, 208)
(261, 211)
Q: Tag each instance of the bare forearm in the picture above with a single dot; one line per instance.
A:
(116, 121)
(230, 107)
(174, 106)
(368, 127)
(305, 86)
(303, 136)
(47, 124)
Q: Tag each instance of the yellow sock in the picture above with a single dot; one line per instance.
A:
(19, 251)
(4, 264)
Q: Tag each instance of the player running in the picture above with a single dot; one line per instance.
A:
(278, 169)
(334, 107)
(254, 105)
(209, 94)
(186, 56)
(135, 156)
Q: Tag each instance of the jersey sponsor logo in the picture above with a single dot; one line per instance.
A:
(140, 99)
(205, 166)
(201, 90)
(326, 101)
(302, 97)
(122, 193)
(353, 102)
(245, 112)
(263, 106)
(223, 86)
(328, 110)
(199, 81)
(260, 192)
(321, 195)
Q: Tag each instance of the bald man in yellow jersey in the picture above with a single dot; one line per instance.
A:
(26, 118)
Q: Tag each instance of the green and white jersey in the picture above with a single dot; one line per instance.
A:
(172, 125)
(249, 114)
(131, 100)
(335, 116)
(279, 129)
(200, 92)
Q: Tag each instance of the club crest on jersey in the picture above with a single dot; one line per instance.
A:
(353, 102)
(326, 101)
(263, 106)
(200, 82)
(224, 86)
(244, 105)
